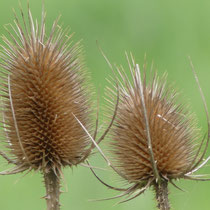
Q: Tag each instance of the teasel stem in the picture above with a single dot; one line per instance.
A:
(161, 190)
(52, 185)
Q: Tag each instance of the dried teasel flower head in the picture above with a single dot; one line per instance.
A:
(44, 82)
(45, 91)
(154, 138)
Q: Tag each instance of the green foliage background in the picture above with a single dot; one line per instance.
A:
(167, 31)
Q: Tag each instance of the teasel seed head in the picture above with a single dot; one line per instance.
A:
(44, 86)
(172, 131)
(154, 139)
(44, 83)
(44, 89)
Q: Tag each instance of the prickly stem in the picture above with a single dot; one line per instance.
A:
(52, 185)
(161, 190)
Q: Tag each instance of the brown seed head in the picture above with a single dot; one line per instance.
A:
(153, 138)
(44, 84)
(171, 130)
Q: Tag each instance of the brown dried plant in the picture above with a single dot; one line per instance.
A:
(45, 90)
(154, 139)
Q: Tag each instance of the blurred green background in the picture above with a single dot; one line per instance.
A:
(167, 31)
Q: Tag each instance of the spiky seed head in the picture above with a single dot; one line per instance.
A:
(171, 129)
(43, 85)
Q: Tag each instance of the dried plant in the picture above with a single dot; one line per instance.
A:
(154, 139)
(45, 90)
